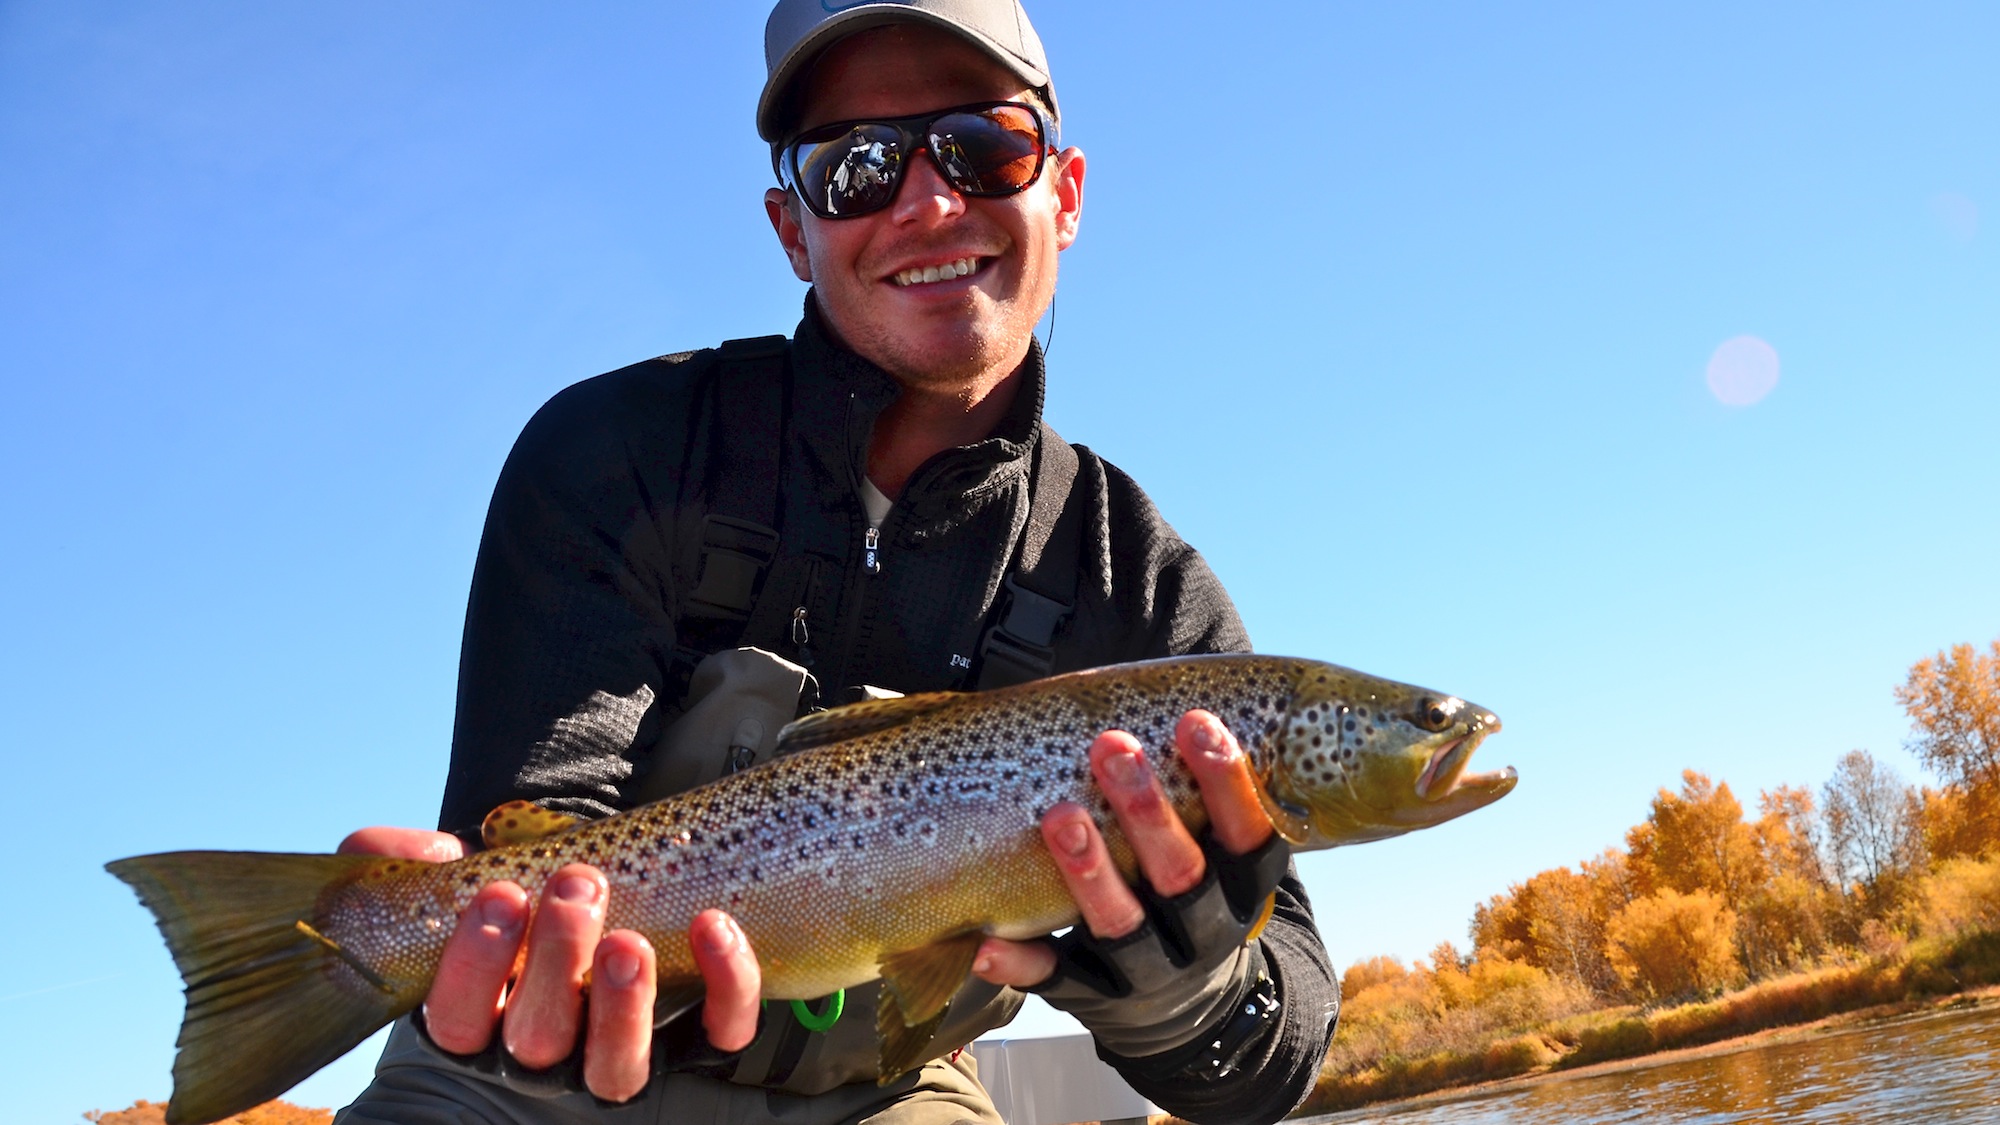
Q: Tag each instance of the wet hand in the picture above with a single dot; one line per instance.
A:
(549, 954)
(1169, 857)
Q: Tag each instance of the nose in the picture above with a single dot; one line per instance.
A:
(926, 196)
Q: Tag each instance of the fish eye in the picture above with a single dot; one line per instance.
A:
(1438, 714)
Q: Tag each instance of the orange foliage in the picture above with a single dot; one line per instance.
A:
(143, 1112)
(1669, 944)
(1696, 840)
(1953, 700)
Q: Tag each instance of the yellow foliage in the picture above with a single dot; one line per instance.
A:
(1961, 896)
(1364, 975)
(1696, 840)
(1671, 944)
(1953, 700)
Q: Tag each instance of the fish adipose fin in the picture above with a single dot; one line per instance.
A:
(269, 999)
(857, 719)
(521, 822)
(917, 987)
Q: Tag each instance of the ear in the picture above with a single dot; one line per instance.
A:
(1069, 195)
(783, 209)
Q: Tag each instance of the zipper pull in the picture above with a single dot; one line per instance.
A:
(871, 551)
(801, 639)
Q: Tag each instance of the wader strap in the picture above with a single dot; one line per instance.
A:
(739, 535)
(1040, 594)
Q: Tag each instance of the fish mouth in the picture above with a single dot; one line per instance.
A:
(1445, 772)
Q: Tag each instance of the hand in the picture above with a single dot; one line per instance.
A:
(1170, 860)
(540, 1016)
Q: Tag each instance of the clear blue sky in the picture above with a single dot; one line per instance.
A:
(1400, 312)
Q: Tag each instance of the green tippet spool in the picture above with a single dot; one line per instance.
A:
(820, 1021)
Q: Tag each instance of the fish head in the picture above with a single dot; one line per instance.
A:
(1361, 758)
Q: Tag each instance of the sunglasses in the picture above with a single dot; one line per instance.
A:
(853, 168)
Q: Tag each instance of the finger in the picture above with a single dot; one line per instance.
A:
(1022, 964)
(1236, 815)
(420, 844)
(618, 1047)
(729, 970)
(1168, 855)
(1109, 907)
(464, 1001)
(544, 1010)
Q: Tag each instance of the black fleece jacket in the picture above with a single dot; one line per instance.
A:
(568, 669)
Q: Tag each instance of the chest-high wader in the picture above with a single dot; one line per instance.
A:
(733, 701)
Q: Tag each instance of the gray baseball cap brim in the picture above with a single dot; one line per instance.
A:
(799, 30)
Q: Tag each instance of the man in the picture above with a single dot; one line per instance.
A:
(913, 504)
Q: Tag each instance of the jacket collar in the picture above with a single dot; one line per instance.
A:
(839, 395)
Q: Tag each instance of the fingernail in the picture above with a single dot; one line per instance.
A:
(502, 915)
(722, 939)
(621, 968)
(1208, 739)
(982, 965)
(1073, 839)
(1126, 770)
(577, 888)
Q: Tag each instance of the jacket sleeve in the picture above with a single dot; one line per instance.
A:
(569, 630)
(1178, 606)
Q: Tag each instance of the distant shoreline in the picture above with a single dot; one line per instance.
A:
(1971, 999)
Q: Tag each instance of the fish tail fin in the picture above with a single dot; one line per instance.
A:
(269, 999)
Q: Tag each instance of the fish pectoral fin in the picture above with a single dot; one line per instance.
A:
(1287, 820)
(519, 822)
(857, 719)
(904, 1047)
(918, 983)
(676, 997)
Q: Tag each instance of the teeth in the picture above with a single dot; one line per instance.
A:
(928, 274)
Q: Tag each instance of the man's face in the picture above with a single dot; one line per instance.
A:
(936, 333)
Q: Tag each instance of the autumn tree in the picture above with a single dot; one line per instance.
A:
(1554, 922)
(1953, 700)
(1669, 945)
(1696, 840)
(1874, 833)
(1788, 919)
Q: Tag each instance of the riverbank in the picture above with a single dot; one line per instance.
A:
(1987, 998)
(1922, 975)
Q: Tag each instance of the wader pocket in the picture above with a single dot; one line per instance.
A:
(737, 702)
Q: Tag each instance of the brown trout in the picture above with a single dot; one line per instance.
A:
(885, 842)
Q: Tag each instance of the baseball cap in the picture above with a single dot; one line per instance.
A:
(799, 30)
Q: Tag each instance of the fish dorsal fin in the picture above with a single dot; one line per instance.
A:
(857, 719)
(519, 822)
(920, 982)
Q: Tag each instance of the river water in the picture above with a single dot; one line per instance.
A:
(1932, 1068)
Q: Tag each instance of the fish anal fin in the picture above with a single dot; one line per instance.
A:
(920, 982)
(904, 1047)
(519, 822)
(676, 996)
(856, 719)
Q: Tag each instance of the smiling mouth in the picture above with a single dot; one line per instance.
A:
(929, 275)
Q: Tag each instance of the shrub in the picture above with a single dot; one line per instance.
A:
(1670, 944)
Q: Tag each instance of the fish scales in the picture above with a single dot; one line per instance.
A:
(896, 831)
